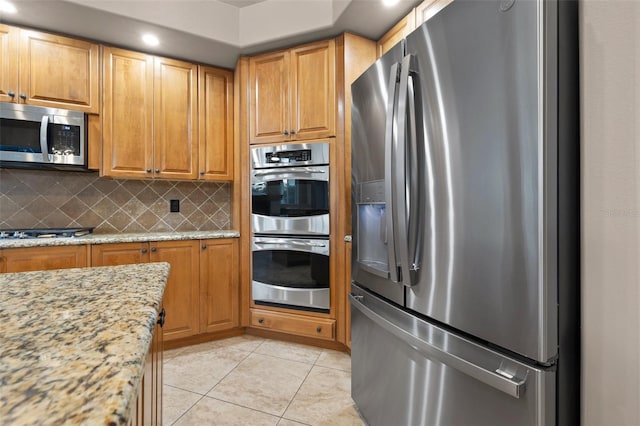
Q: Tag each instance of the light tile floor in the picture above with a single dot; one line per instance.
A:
(249, 380)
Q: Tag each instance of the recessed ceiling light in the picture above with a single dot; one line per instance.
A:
(390, 3)
(7, 7)
(150, 40)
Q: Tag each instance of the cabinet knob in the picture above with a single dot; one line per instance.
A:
(319, 329)
(11, 93)
(293, 132)
(157, 170)
(260, 321)
(144, 250)
(153, 249)
(201, 172)
(286, 133)
(148, 170)
(23, 96)
(162, 317)
(204, 246)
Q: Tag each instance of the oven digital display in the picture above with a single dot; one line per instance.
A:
(288, 157)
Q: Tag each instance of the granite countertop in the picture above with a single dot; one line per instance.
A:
(73, 342)
(118, 238)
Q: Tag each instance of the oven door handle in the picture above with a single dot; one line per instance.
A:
(294, 243)
(301, 170)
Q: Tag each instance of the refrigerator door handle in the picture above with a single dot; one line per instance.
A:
(512, 386)
(405, 201)
(389, 172)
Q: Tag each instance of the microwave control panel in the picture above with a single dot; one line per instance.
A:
(291, 157)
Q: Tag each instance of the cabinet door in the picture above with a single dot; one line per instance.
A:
(219, 298)
(175, 117)
(119, 254)
(8, 63)
(269, 104)
(59, 72)
(128, 114)
(397, 33)
(215, 122)
(43, 258)
(182, 291)
(313, 104)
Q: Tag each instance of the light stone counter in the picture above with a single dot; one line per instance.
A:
(73, 342)
(118, 238)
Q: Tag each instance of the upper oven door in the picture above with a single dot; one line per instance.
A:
(41, 135)
(290, 201)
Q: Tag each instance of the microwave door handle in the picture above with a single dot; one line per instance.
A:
(388, 173)
(44, 125)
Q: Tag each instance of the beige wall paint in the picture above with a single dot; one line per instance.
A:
(610, 90)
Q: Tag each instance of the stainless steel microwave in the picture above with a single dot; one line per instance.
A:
(38, 137)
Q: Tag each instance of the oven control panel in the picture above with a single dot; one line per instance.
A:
(289, 155)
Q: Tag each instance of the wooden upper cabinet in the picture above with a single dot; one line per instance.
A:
(313, 101)
(215, 123)
(150, 116)
(49, 70)
(397, 33)
(9, 68)
(429, 8)
(43, 258)
(219, 294)
(293, 94)
(127, 114)
(269, 87)
(175, 106)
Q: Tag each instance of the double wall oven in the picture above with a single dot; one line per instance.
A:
(290, 224)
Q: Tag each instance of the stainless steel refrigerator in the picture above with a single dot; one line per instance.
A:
(465, 267)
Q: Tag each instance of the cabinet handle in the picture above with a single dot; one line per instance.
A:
(201, 172)
(153, 249)
(148, 170)
(157, 170)
(260, 321)
(319, 329)
(286, 133)
(162, 317)
(23, 96)
(144, 250)
(11, 93)
(204, 246)
(293, 132)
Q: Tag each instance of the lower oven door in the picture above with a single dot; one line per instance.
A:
(291, 272)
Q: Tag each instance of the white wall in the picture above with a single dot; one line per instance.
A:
(610, 90)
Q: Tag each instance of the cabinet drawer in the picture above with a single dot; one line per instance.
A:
(294, 324)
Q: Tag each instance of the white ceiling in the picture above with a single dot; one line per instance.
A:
(210, 31)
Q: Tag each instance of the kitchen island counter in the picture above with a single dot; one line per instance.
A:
(73, 342)
(137, 237)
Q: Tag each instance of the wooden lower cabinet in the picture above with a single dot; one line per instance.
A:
(219, 297)
(148, 406)
(43, 258)
(182, 291)
(319, 328)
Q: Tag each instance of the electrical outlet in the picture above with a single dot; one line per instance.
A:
(174, 206)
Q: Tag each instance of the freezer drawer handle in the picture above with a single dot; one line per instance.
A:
(514, 387)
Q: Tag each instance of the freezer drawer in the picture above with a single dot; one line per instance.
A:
(406, 371)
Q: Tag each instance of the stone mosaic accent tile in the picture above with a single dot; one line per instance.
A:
(52, 199)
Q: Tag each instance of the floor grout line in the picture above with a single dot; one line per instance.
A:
(242, 406)
(298, 390)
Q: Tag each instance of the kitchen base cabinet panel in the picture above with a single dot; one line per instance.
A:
(42, 258)
(319, 328)
(219, 298)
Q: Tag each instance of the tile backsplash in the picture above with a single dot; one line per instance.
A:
(52, 199)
